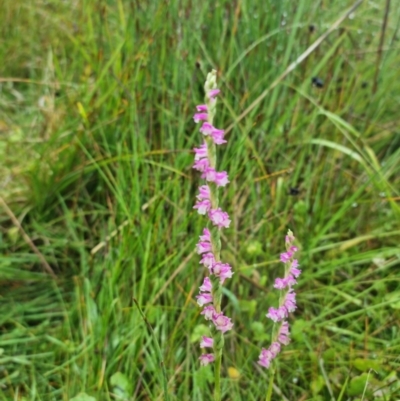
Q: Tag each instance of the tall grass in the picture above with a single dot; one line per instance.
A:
(95, 119)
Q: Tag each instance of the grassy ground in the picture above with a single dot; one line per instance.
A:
(96, 104)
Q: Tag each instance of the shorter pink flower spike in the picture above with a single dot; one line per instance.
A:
(219, 218)
(200, 117)
(208, 312)
(202, 107)
(222, 323)
(204, 298)
(208, 259)
(205, 359)
(207, 286)
(213, 93)
(207, 342)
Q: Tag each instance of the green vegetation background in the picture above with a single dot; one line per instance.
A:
(96, 105)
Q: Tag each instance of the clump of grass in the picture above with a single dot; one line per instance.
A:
(105, 192)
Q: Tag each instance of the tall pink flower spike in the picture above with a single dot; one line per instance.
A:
(207, 204)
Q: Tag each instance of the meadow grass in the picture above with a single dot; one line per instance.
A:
(96, 105)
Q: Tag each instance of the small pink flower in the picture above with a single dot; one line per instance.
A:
(277, 315)
(290, 302)
(201, 152)
(203, 247)
(280, 283)
(275, 348)
(205, 359)
(222, 270)
(283, 335)
(294, 270)
(206, 342)
(207, 286)
(206, 129)
(220, 178)
(200, 117)
(285, 257)
(204, 192)
(204, 298)
(222, 323)
(213, 92)
(201, 107)
(218, 136)
(219, 218)
(293, 249)
(208, 259)
(206, 235)
(208, 312)
(265, 358)
(202, 206)
(201, 165)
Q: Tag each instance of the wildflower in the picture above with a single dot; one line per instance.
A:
(207, 342)
(265, 358)
(201, 152)
(283, 335)
(222, 323)
(201, 165)
(287, 304)
(207, 286)
(204, 298)
(205, 359)
(207, 204)
(200, 117)
(219, 218)
(208, 259)
(202, 206)
(203, 247)
(212, 93)
(219, 178)
(208, 312)
(204, 192)
(278, 314)
(222, 270)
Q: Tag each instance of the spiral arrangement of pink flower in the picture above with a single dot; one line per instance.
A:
(287, 304)
(209, 245)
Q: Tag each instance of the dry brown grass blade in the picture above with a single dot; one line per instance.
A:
(299, 60)
(26, 237)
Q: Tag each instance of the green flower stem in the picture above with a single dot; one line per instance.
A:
(270, 384)
(217, 375)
